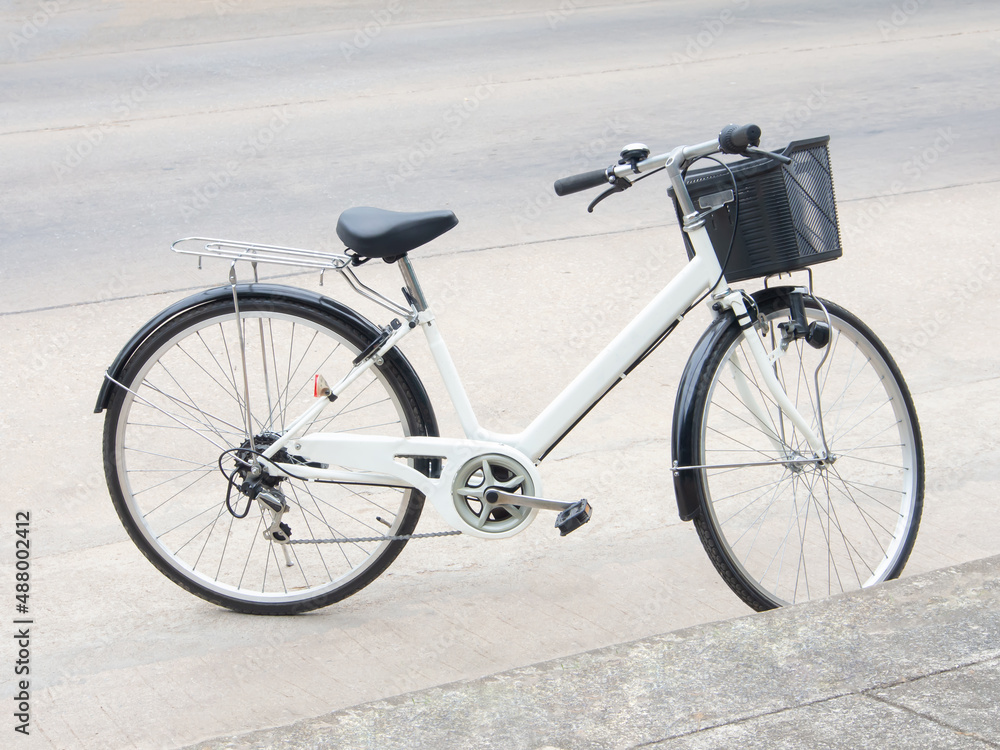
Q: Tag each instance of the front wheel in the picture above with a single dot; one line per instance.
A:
(181, 415)
(782, 528)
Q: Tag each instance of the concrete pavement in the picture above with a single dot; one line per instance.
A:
(130, 660)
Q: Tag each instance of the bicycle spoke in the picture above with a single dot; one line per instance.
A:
(751, 425)
(187, 409)
(172, 497)
(230, 389)
(204, 471)
(720, 500)
(818, 528)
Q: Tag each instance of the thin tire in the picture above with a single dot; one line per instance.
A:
(792, 530)
(181, 409)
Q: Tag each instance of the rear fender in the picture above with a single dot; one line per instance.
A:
(319, 303)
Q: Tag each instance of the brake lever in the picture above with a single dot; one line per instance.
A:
(770, 154)
(620, 186)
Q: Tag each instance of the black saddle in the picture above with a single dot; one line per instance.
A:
(376, 233)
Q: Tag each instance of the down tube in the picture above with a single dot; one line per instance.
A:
(609, 366)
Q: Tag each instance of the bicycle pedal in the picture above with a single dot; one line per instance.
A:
(573, 517)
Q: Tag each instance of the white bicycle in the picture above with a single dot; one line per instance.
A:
(270, 450)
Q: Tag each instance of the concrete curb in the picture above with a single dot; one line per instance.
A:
(911, 663)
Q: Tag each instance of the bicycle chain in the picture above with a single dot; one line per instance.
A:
(394, 538)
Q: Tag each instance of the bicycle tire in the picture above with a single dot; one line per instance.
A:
(181, 408)
(793, 531)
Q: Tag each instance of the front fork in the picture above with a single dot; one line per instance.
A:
(746, 317)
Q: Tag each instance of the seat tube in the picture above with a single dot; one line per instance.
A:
(439, 351)
(452, 381)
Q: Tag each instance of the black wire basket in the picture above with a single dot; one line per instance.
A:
(786, 217)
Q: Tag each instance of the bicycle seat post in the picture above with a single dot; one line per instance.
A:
(414, 292)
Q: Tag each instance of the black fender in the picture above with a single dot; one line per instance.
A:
(321, 304)
(686, 482)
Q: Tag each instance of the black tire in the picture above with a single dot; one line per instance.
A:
(164, 435)
(794, 531)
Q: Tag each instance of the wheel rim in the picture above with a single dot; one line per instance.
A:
(184, 409)
(798, 531)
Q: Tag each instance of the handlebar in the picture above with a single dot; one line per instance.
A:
(732, 140)
(578, 182)
(736, 139)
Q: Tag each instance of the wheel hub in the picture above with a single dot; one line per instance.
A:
(248, 463)
(797, 463)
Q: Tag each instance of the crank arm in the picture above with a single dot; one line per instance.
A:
(499, 497)
(572, 515)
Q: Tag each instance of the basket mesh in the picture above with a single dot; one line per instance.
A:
(810, 197)
(786, 217)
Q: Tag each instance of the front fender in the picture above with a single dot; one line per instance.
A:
(688, 393)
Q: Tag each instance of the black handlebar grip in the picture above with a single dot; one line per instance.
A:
(735, 139)
(578, 182)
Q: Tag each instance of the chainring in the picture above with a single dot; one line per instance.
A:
(486, 472)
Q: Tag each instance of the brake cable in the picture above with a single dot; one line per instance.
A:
(621, 185)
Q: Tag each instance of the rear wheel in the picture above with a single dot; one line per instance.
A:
(182, 409)
(779, 527)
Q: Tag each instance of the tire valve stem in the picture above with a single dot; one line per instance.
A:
(383, 521)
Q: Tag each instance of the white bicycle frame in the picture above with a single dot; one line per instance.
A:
(376, 460)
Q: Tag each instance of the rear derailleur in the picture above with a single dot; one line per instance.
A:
(251, 480)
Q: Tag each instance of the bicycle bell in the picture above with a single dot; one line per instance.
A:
(634, 153)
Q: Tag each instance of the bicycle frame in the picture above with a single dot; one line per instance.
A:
(376, 460)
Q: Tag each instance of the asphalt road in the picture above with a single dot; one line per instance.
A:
(126, 126)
